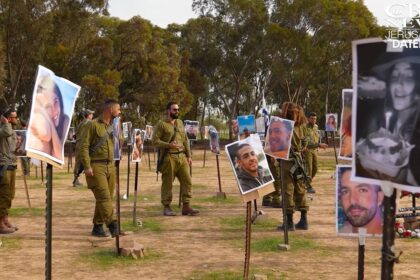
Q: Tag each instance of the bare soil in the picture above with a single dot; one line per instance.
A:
(208, 246)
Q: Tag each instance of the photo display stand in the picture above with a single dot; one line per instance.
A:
(26, 186)
(117, 198)
(48, 222)
(285, 246)
(361, 257)
(136, 180)
(335, 150)
(220, 193)
(204, 156)
(128, 169)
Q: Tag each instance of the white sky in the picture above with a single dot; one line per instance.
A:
(163, 12)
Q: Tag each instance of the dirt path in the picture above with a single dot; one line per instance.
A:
(209, 246)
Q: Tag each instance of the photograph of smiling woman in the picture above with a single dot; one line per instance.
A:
(387, 120)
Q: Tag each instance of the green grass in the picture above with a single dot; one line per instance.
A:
(128, 226)
(238, 223)
(107, 259)
(11, 242)
(232, 275)
(20, 212)
(152, 225)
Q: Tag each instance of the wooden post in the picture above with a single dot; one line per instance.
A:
(128, 169)
(247, 239)
(135, 194)
(388, 238)
(117, 179)
(48, 223)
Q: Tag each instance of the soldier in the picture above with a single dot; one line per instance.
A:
(8, 164)
(97, 157)
(311, 153)
(175, 157)
(87, 117)
(295, 193)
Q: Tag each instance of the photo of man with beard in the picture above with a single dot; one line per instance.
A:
(278, 138)
(359, 205)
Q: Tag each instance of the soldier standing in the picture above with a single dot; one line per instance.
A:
(8, 165)
(175, 158)
(311, 153)
(97, 157)
(87, 117)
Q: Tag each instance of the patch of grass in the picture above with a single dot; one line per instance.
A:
(128, 226)
(153, 225)
(238, 222)
(12, 242)
(107, 259)
(199, 186)
(20, 212)
(217, 200)
(232, 275)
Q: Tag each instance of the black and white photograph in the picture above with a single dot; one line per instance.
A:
(191, 128)
(386, 122)
(249, 164)
(117, 137)
(126, 128)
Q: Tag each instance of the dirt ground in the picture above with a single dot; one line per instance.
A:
(209, 246)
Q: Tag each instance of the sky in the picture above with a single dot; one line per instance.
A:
(163, 12)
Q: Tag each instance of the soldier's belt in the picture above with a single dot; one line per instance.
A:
(101, 161)
(177, 153)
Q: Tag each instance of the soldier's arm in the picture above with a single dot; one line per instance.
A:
(6, 130)
(186, 143)
(157, 137)
(87, 135)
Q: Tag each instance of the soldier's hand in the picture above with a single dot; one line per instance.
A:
(3, 119)
(89, 172)
(323, 145)
(189, 161)
(173, 145)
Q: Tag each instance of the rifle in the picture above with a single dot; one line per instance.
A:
(299, 170)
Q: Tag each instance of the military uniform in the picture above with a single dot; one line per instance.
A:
(273, 199)
(7, 173)
(79, 136)
(175, 163)
(102, 183)
(311, 154)
(295, 191)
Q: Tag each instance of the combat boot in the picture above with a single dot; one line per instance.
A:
(76, 182)
(303, 223)
(113, 228)
(167, 211)
(290, 224)
(4, 229)
(187, 210)
(8, 223)
(98, 231)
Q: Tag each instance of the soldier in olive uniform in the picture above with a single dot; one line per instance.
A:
(295, 192)
(99, 166)
(311, 153)
(7, 169)
(175, 154)
(87, 117)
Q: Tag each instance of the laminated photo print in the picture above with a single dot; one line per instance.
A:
(20, 143)
(214, 140)
(137, 144)
(52, 108)
(331, 122)
(386, 118)
(126, 127)
(191, 129)
(205, 131)
(279, 138)
(358, 205)
(246, 125)
(117, 138)
(149, 132)
(345, 128)
(249, 164)
(71, 136)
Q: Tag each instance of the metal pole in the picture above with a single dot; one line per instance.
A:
(361, 257)
(117, 179)
(42, 173)
(218, 173)
(148, 156)
(128, 169)
(48, 223)
(204, 159)
(136, 179)
(284, 199)
(335, 151)
(26, 187)
(247, 239)
(388, 238)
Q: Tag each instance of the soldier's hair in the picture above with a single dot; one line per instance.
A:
(109, 103)
(169, 104)
(311, 114)
(8, 112)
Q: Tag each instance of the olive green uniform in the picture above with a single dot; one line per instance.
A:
(79, 137)
(102, 183)
(295, 192)
(7, 167)
(274, 197)
(311, 154)
(175, 163)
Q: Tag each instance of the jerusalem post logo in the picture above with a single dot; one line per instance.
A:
(404, 22)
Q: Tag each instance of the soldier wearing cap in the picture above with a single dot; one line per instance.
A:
(171, 139)
(99, 166)
(87, 116)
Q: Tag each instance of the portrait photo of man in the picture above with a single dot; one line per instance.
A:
(278, 138)
(359, 205)
(191, 128)
(249, 164)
